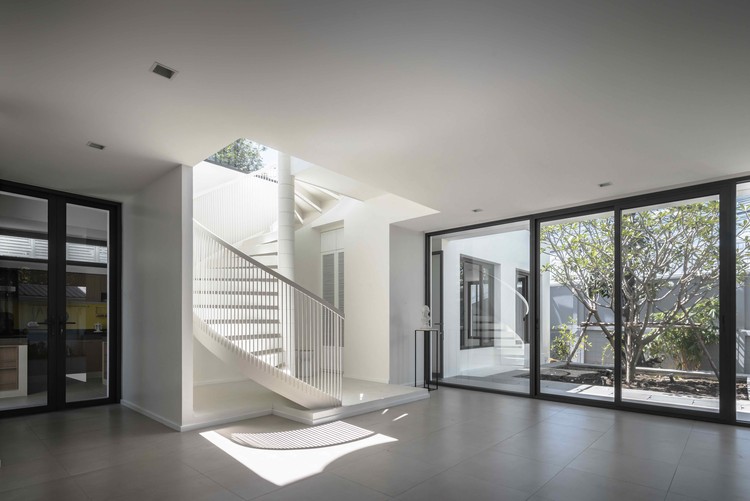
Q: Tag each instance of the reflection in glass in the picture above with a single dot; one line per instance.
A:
(24, 291)
(743, 302)
(86, 303)
(484, 312)
(670, 305)
(576, 307)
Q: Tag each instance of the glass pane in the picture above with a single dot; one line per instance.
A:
(670, 305)
(743, 301)
(87, 303)
(577, 307)
(24, 291)
(485, 315)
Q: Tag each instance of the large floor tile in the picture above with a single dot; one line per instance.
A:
(708, 485)
(575, 485)
(443, 448)
(65, 489)
(206, 458)
(550, 430)
(633, 469)
(547, 450)
(671, 496)
(132, 478)
(241, 481)
(197, 488)
(588, 421)
(325, 487)
(106, 456)
(20, 448)
(452, 485)
(509, 470)
(26, 473)
(645, 444)
(388, 472)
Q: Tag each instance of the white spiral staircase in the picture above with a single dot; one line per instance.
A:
(274, 331)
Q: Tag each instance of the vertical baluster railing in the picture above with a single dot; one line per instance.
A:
(238, 210)
(258, 311)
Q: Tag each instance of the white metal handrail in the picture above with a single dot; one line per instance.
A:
(266, 316)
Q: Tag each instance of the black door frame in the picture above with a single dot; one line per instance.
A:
(438, 374)
(726, 191)
(56, 229)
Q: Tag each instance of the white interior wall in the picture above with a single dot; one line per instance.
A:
(367, 272)
(366, 294)
(186, 292)
(511, 252)
(157, 322)
(406, 301)
(307, 268)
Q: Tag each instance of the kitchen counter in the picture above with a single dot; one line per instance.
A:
(13, 341)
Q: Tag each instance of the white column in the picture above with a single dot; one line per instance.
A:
(286, 217)
(286, 260)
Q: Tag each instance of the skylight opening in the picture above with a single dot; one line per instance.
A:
(243, 155)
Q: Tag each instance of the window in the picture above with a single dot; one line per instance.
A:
(477, 302)
(332, 266)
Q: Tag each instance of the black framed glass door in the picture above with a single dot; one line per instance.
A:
(669, 289)
(86, 305)
(58, 300)
(24, 301)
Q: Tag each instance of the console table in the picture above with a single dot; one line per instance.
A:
(426, 364)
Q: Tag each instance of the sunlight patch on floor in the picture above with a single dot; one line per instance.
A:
(282, 467)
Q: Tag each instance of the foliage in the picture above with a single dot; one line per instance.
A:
(563, 344)
(242, 155)
(670, 272)
(686, 345)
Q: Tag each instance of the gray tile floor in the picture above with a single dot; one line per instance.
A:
(457, 445)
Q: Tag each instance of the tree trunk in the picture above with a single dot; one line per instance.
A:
(630, 370)
(705, 352)
(580, 338)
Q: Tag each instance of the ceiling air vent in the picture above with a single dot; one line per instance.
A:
(163, 71)
(96, 146)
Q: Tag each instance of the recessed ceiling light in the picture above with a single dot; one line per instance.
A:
(476, 210)
(163, 71)
(605, 184)
(96, 146)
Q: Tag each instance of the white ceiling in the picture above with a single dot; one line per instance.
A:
(509, 106)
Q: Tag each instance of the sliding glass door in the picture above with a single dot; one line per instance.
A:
(742, 294)
(482, 311)
(640, 303)
(670, 304)
(58, 322)
(576, 322)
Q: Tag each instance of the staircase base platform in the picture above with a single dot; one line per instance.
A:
(359, 397)
(223, 403)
